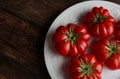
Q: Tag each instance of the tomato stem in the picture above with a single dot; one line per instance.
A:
(86, 68)
(72, 36)
(99, 18)
(112, 47)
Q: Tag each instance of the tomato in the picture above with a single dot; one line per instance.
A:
(117, 31)
(100, 50)
(113, 62)
(85, 67)
(71, 40)
(108, 52)
(99, 22)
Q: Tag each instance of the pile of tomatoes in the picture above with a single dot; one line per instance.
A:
(72, 40)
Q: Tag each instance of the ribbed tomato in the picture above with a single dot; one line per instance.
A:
(108, 52)
(99, 22)
(85, 67)
(71, 40)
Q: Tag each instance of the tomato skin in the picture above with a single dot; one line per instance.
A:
(100, 50)
(73, 50)
(108, 52)
(99, 22)
(82, 46)
(91, 58)
(117, 31)
(71, 25)
(63, 47)
(97, 75)
(75, 61)
(62, 29)
(84, 35)
(77, 76)
(71, 40)
(115, 62)
(58, 37)
(98, 67)
(77, 67)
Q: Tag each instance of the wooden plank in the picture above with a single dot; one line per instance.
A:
(40, 12)
(19, 44)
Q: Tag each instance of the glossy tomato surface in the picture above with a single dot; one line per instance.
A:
(85, 67)
(71, 39)
(99, 22)
(108, 52)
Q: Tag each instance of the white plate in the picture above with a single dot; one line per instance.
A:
(55, 63)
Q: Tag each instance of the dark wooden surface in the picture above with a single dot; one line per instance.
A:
(23, 26)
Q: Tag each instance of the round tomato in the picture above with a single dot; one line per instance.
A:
(108, 52)
(117, 31)
(71, 40)
(99, 22)
(85, 67)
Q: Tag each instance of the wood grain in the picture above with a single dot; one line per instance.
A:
(19, 43)
(39, 12)
(23, 27)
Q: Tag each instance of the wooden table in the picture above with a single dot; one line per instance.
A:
(23, 27)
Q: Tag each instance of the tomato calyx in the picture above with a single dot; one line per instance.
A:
(72, 36)
(99, 18)
(86, 68)
(112, 47)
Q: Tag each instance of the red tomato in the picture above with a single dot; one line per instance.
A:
(117, 31)
(71, 40)
(99, 22)
(113, 62)
(108, 52)
(85, 67)
(100, 50)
